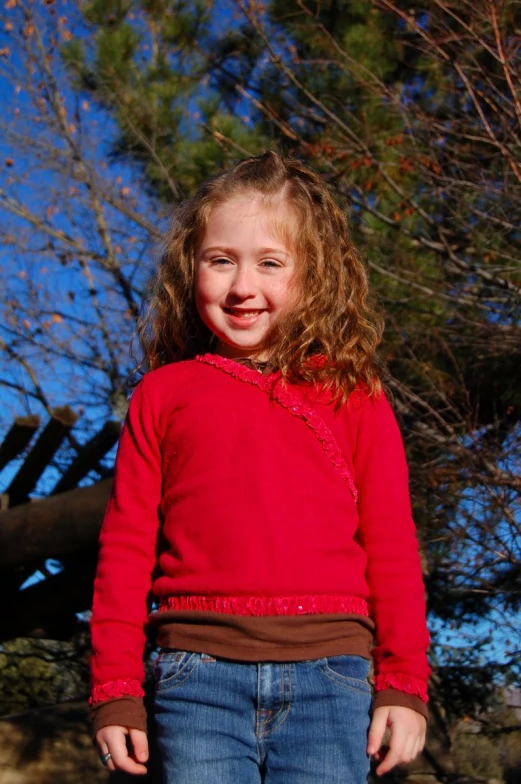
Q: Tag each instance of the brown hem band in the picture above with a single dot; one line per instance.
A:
(121, 711)
(388, 697)
(264, 638)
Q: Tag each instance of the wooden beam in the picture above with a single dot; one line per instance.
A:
(18, 437)
(54, 527)
(88, 458)
(49, 441)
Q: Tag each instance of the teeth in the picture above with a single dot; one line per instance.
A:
(245, 313)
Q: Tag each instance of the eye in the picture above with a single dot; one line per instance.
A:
(221, 261)
(270, 264)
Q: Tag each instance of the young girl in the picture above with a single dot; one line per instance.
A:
(260, 494)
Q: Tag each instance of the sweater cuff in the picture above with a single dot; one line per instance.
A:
(122, 712)
(388, 697)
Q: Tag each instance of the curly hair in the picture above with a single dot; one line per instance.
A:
(333, 316)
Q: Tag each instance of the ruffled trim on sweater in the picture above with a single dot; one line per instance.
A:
(401, 682)
(114, 689)
(292, 404)
(268, 605)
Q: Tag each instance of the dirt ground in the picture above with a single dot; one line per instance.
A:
(54, 746)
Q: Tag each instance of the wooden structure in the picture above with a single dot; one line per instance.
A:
(62, 526)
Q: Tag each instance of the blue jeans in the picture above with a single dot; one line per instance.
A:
(227, 722)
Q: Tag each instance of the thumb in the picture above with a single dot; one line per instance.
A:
(377, 729)
(139, 744)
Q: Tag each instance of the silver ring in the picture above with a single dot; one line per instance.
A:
(105, 758)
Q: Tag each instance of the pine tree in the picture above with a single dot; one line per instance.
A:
(150, 65)
(412, 114)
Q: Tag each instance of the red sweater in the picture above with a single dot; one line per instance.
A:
(233, 493)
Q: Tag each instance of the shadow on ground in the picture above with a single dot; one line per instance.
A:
(54, 746)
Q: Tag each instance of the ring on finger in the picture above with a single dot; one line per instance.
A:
(105, 758)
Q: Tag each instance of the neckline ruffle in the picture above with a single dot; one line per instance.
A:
(237, 369)
(270, 383)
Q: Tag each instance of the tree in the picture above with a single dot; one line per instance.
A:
(412, 114)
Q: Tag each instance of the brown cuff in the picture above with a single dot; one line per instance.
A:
(388, 697)
(123, 712)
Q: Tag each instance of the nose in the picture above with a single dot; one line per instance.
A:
(242, 285)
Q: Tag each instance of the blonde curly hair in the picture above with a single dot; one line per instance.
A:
(333, 316)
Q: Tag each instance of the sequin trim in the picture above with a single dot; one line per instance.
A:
(114, 689)
(268, 605)
(268, 383)
(401, 682)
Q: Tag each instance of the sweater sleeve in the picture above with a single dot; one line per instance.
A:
(127, 557)
(122, 712)
(388, 536)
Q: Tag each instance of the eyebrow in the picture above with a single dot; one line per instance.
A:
(260, 251)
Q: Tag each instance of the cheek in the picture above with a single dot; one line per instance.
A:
(204, 302)
(286, 293)
(205, 287)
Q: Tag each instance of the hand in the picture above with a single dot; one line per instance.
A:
(113, 739)
(408, 729)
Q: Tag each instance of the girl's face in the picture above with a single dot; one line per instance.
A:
(243, 276)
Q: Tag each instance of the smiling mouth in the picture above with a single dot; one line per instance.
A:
(245, 314)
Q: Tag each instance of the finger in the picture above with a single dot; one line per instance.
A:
(382, 751)
(110, 765)
(420, 745)
(408, 752)
(391, 759)
(377, 730)
(395, 754)
(103, 749)
(139, 742)
(123, 761)
(121, 758)
(423, 740)
(417, 748)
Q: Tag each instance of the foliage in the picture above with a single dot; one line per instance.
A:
(149, 66)
(490, 748)
(412, 113)
(39, 672)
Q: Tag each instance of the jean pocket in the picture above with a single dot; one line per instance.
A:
(174, 667)
(348, 670)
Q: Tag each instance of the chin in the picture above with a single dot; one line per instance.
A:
(240, 349)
